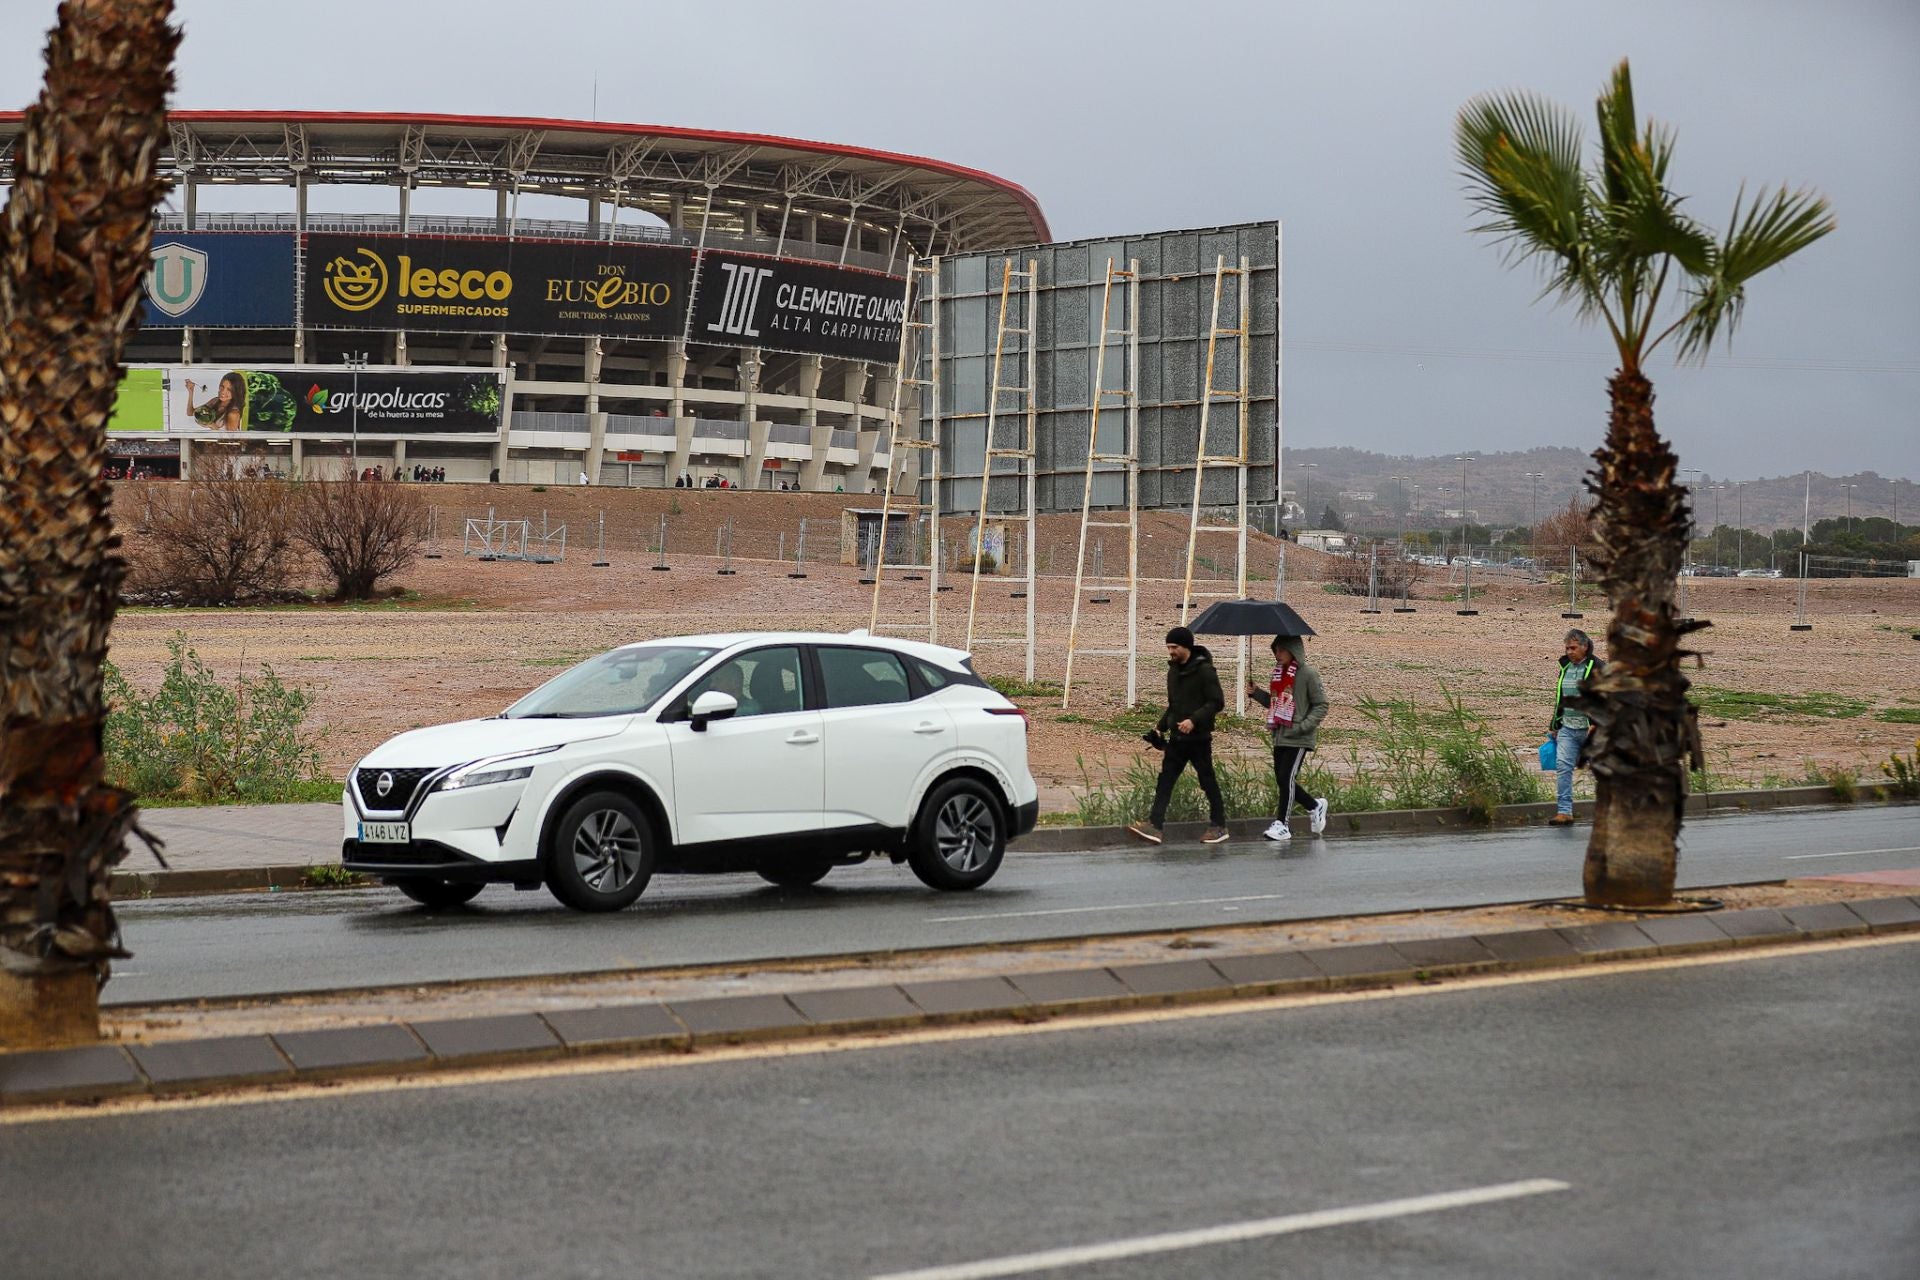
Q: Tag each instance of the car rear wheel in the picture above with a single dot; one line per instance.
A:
(795, 873)
(440, 893)
(601, 853)
(960, 836)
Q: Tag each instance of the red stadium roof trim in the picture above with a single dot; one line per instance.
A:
(1017, 193)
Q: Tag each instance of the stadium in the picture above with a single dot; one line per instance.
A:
(710, 308)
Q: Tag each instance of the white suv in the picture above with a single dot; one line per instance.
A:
(782, 753)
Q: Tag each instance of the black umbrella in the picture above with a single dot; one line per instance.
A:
(1250, 618)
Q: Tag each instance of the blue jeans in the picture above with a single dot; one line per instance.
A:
(1566, 750)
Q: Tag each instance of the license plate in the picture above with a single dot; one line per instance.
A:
(385, 833)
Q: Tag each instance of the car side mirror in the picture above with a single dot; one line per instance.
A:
(711, 705)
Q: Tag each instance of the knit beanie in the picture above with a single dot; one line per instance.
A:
(1180, 636)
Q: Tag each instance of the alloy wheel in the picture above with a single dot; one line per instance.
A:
(606, 850)
(964, 832)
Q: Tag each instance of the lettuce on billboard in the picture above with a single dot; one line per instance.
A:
(578, 288)
(206, 400)
(219, 279)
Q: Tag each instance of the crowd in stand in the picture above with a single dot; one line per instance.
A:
(417, 474)
(132, 471)
(686, 481)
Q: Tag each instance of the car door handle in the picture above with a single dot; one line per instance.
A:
(929, 728)
(802, 739)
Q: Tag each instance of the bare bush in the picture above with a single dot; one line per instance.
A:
(217, 540)
(1572, 527)
(1397, 576)
(362, 532)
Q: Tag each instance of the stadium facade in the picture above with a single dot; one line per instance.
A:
(722, 306)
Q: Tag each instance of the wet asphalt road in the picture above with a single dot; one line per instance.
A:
(1753, 1118)
(263, 943)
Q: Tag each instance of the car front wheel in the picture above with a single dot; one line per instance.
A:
(959, 838)
(601, 854)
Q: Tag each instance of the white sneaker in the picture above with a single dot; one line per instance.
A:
(1319, 818)
(1277, 830)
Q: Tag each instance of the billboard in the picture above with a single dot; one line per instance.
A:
(1176, 296)
(573, 288)
(208, 400)
(745, 300)
(219, 280)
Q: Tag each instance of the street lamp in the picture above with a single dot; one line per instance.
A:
(1691, 527)
(1849, 488)
(1463, 460)
(1716, 524)
(1740, 523)
(1533, 496)
(1402, 481)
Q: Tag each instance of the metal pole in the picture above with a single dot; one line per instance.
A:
(1573, 583)
(600, 544)
(726, 563)
(660, 563)
(800, 552)
(1373, 580)
(1801, 623)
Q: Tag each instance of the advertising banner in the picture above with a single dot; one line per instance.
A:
(803, 307)
(207, 400)
(219, 280)
(577, 288)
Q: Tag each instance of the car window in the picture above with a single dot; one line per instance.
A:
(765, 682)
(617, 683)
(933, 677)
(863, 677)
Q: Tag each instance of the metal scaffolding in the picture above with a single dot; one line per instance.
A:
(1025, 412)
(918, 366)
(1237, 459)
(1128, 457)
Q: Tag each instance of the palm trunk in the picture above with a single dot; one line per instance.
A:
(73, 248)
(1642, 724)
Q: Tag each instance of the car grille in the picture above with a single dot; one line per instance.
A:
(396, 799)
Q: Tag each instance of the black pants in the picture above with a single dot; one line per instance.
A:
(1287, 763)
(1179, 751)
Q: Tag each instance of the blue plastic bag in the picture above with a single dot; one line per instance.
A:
(1547, 761)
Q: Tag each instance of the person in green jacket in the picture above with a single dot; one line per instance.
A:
(1185, 735)
(1296, 703)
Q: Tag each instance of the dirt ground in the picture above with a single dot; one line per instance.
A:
(473, 636)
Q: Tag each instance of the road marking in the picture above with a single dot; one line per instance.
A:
(1130, 906)
(1850, 853)
(1232, 1233)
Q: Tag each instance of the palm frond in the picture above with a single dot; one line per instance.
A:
(1766, 233)
(1520, 155)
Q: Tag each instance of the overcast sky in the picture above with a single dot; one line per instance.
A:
(1403, 333)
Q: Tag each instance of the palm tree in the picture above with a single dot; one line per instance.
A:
(73, 247)
(1613, 241)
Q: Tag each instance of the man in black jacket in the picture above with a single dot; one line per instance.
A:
(1193, 700)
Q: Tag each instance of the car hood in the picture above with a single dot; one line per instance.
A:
(446, 744)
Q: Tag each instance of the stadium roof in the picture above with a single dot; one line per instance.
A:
(942, 206)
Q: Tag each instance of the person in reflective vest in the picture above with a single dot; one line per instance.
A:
(1570, 725)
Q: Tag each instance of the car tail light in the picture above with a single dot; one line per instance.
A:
(1025, 722)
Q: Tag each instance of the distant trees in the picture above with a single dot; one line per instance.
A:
(1330, 519)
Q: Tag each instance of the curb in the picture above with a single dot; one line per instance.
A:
(135, 885)
(95, 1072)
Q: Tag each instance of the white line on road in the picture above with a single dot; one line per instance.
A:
(1232, 1233)
(1129, 906)
(1850, 853)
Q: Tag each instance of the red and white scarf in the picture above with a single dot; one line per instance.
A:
(1280, 687)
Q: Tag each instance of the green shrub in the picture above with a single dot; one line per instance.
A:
(1903, 772)
(197, 739)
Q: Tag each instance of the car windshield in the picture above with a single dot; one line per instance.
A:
(622, 682)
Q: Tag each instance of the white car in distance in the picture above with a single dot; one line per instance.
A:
(782, 753)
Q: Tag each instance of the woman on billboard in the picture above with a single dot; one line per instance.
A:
(227, 411)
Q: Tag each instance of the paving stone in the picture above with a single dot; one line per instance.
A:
(1436, 953)
(1361, 960)
(351, 1048)
(220, 1060)
(1069, 986)
(1693, 931)
(719, 1016)
(854, 1004)
(1887, 913)
(1755, 924)
(1262, 967)
(964, 995)
(616, 1024)
(1530, 947)
(1169, 977)
(1824, 919)
(84, 1071)
(507, 1035)
(1608, 938)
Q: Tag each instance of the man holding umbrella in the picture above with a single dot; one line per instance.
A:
(1193, 700)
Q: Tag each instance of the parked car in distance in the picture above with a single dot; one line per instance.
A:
(784, 753)
(1759, 573)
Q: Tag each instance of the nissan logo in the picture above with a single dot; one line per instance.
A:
(383, 784)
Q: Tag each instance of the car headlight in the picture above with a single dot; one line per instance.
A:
(494, 769)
